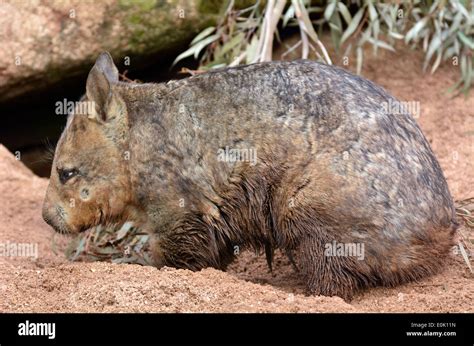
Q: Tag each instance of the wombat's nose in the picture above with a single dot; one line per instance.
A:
(46, 216)
(45, 213)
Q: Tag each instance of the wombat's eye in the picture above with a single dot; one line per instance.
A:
(66, 174)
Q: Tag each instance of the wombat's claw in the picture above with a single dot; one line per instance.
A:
(269, 256)
(289, 254)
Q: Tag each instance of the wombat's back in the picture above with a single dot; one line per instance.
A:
(323, 113)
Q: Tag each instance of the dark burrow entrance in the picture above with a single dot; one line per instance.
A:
(30, 124)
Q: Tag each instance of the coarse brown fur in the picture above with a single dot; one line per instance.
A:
(332, 165)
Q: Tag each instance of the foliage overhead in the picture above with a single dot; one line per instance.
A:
(444, 29)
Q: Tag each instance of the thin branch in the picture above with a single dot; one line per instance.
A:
(304, 40)
(316, 52)
(303, 18)
(272, 16)
(238, 59)
(291, 49)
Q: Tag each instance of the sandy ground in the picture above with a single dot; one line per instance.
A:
(50, 283)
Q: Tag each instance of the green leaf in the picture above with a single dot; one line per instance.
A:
(122, 232)
(185, 54)
(372, 12)
(395, 35)
(434, 6)
(366, 34)
(465, 256)
(336, 19)
(330, 10)
(334, 27)
(387, 18)
(437, 61)
(463, 65)
(315, 9)
(319, 21)
(248, 24)
(456, 23)
(290, 13)
(412, 33)
(347, 51)
(432, 48)
(353, 25)
(344, 12)
(457, 46)
(251, 51)
(462, 9)
(232, 43)
(466, 40)
(448, 53)
(206, 32)
(376, 31)
(335, 37)
(426, 39)
(196, 49)
(468, 76)
(216, 66)
(381, 44)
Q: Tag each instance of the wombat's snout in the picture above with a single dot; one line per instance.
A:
(51, 215)
(47, 217)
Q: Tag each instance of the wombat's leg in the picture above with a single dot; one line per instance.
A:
(326, 275)
(191, 244)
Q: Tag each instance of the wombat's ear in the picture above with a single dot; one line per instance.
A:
(99, 84)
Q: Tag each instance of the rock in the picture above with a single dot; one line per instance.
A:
(44, 42)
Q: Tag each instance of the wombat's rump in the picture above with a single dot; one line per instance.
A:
(299, 156)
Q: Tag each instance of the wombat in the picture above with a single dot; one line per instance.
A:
(297, 156)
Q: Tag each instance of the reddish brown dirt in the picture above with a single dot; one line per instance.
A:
(52, 284)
